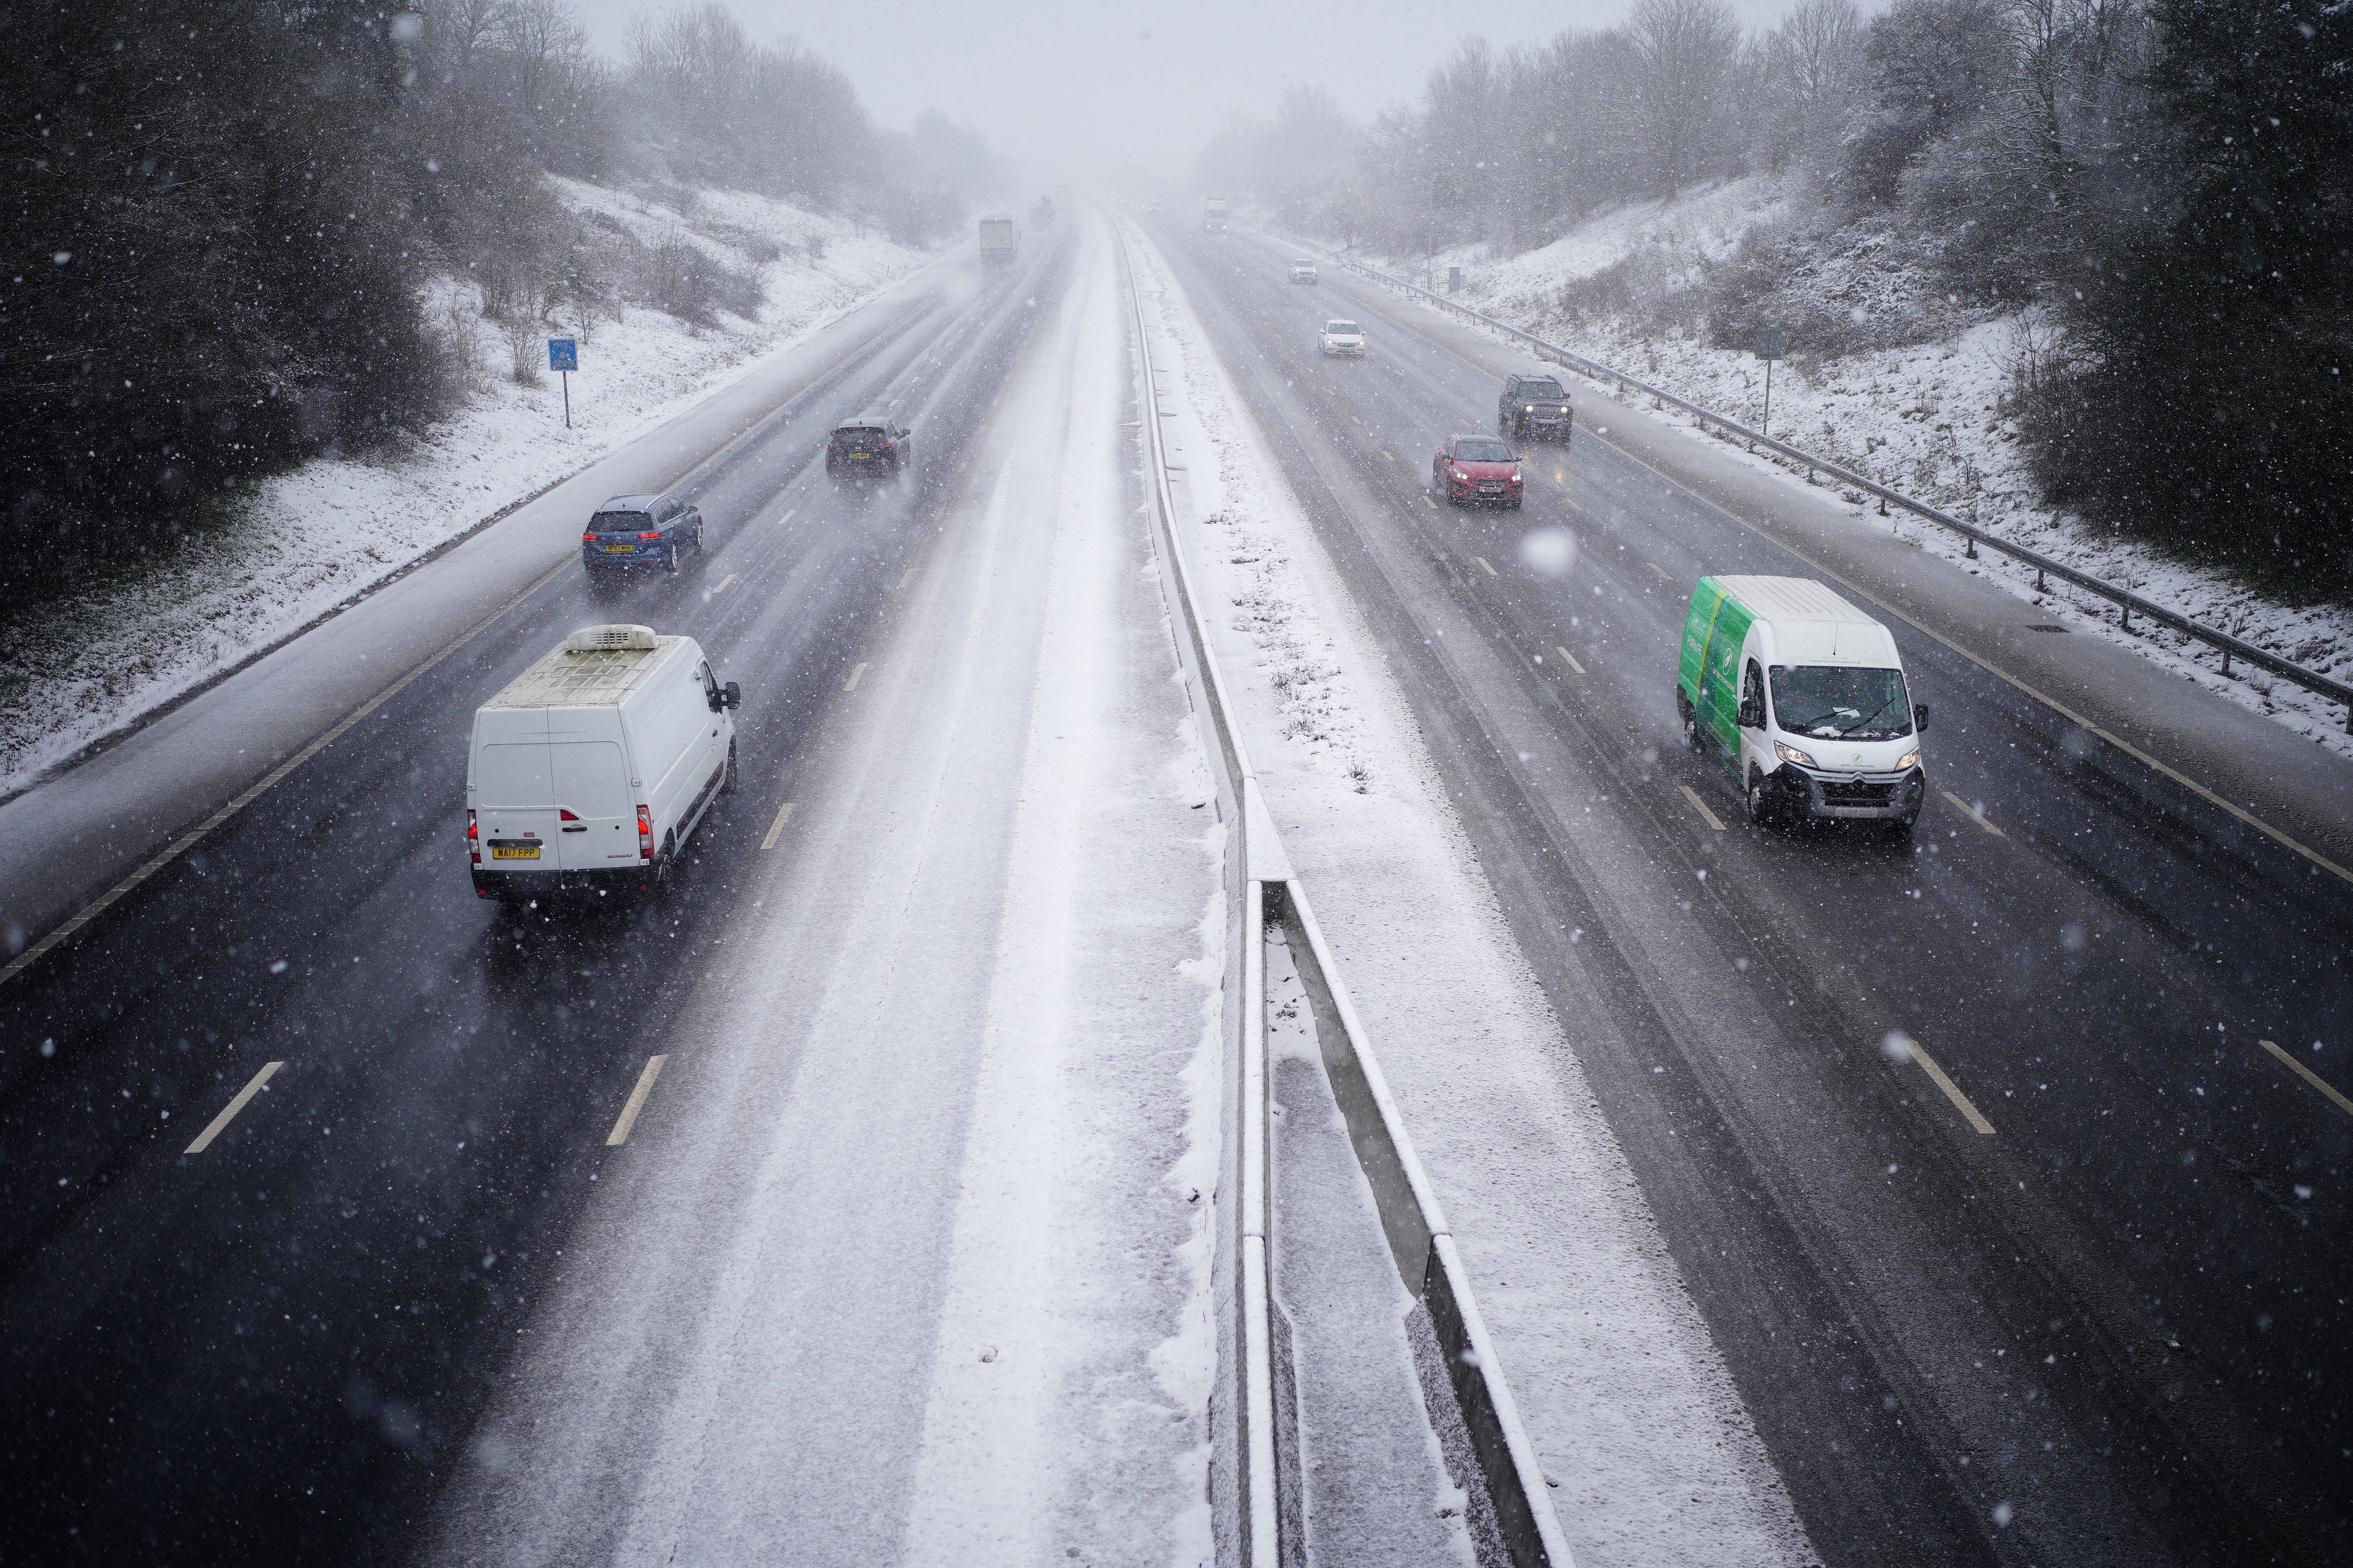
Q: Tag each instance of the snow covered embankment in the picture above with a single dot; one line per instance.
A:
(308, 541)
(1630, 1407)
(1927, 420)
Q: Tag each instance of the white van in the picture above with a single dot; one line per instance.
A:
(1804, 698)
(591, 768)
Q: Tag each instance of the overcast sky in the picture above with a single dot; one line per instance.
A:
(1072, 88)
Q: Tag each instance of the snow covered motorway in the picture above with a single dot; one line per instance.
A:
(983, 1151)
(2005, 1167)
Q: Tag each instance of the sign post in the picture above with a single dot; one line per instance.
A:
(563, 358)
(1772, 343)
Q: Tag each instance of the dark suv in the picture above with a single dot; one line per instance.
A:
(869, 444)
(640, 531)
(1535, 408)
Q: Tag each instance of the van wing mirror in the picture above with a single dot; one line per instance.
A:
(1752, 715)
(731, 694)
(1919, 715)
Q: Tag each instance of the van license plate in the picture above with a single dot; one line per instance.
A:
(514, 851)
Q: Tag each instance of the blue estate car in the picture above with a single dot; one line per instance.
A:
(640, 531)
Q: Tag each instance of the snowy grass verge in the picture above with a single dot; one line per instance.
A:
(307, 542)
(1930, 420)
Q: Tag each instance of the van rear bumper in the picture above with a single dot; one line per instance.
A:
(1845, 797)
(601, 882)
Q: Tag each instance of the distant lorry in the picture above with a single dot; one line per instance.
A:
(589, 769)
(1042, 215)
(1803, 697)
(1000, 241)
(1213, 216)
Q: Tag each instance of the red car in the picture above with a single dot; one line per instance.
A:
(1477, 468)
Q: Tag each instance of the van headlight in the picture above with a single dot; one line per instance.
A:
(1790, 753)
(1908, 762)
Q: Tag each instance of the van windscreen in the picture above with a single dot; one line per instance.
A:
(1834, 703)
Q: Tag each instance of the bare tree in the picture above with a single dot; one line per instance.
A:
(1684, 53)
(1815, 65)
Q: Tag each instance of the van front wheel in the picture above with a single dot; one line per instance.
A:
(1762, 810)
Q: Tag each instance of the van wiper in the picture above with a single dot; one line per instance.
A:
(1865, 723)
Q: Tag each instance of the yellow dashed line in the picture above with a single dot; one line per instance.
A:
(1482, 561)
(1570, 657)
(1973, 814)
(1660, 570)
(723, 582)
(2294, 1065)
(787, 517)
(1952, 1091)
(228, 1112)
(620, 1134)
(851, 684)
(1700, 805)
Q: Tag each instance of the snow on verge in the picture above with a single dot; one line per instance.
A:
(306, 541)
(1635, 1416)
(1929, 420)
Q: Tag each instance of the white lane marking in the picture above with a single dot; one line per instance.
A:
(776, 827)
(2310, 1077)
(179, 846)
(1700, 805)
(228, 1112)
(1482, 561)
(724, 581)
(904, 576)
(1571, 657)
(1973, 814)
(787, 517)
(1952, 1091)
(851, 684)
(1660, 570)
(620, 1134)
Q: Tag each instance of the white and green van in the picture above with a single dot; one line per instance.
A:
(1804, 696)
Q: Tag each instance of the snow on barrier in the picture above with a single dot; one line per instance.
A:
(1261, 1520)
(2128, 603)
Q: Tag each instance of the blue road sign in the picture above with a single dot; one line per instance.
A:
(563, 353)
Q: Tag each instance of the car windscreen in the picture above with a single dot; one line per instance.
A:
(620, 522)
(1547, 390)
(1482, 450)
(1834, 703)
(1341, 329)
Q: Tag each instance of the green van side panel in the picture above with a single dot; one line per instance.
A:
(1714, 628)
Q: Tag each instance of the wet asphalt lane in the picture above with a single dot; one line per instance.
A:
(274, 1349)
(1958, 1346)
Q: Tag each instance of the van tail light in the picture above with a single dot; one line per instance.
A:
(565, 814)
(473, 836)
(645, 833)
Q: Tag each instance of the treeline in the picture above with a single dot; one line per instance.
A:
(2164, 187)
(229, 216)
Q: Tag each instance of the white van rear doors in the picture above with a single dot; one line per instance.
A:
(514, 804)
(598, 821)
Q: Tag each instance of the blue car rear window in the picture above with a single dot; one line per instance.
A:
(620, 522)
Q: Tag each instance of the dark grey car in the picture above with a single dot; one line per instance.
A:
(1534, 408)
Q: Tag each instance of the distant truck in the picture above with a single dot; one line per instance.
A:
(1213, 216)
(999, 240)
(1042, 215)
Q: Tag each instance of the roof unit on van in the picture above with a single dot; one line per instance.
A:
(610, 639)
(596, 667)
(1813, 625)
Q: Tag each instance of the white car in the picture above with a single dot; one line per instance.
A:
(1302, 272)
(1344, 337)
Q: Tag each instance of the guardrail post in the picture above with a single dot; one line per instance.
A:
(2226, 664)
(1970, 553)
(2123, 616)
